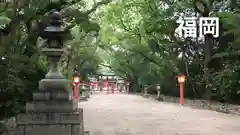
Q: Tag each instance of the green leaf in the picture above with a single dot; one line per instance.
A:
(142, 30)
(4, 20)
(153, 45)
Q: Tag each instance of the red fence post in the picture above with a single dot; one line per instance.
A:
(181, 94)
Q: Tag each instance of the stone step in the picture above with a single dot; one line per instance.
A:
(86, 132)
(51, 106)
(50, 118)
(54, 95)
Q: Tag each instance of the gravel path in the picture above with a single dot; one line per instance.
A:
(122, 114)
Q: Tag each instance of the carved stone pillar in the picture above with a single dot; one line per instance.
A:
(52, 111)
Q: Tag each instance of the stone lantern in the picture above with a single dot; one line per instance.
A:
(52, 111)
(145, 89)
(158, 90)
(54, 33)
(128, 85)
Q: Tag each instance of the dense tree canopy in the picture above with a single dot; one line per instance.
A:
(136, 39)
(149, 49)
(23, 64)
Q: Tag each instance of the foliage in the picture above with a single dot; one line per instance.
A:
(140, 38)
(136, 39)
(21, 28)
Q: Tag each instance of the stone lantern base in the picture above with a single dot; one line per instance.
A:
(158, 93)
(50, 124)
(145, 92)
(51, 112)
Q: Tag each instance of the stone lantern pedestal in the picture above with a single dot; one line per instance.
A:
(145, 92)
(52, 111)
(158, 93)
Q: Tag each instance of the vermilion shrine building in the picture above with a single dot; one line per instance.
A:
(107, 82)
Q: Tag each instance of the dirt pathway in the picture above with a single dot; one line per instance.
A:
(121, 114)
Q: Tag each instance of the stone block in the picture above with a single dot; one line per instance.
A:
(48, 130)
(54, 85)
(51, 106)
(41, 96)
(20, 130)
(53, 51)
(61, 95)
(86, 93)
(50, 118)
(77, 129)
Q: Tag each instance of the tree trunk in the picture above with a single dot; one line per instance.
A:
(207, 58)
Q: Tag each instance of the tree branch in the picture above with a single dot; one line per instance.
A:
(205, 11)
(86, 59)
(95, 6)
(115, 70)
(123, 63)
(125, 27)
(149, 59)
(225, 54)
